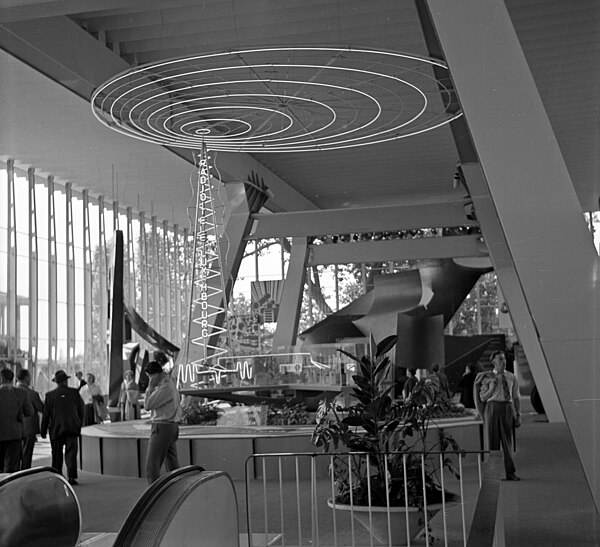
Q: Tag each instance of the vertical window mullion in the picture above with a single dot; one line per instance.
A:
(155, 275)
(143, 254)
(130, 259)
(87, 280)
(12, 300)
(33, 271)
(177, 255)
(102, 269)
(187, 282)
(167, 262)
(52, 277)
(70, 243)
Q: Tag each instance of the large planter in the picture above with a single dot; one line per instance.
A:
(375, 520)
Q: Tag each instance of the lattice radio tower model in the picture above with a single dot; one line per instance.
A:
(208, 287)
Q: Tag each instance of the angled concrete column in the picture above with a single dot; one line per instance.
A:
(291, 299)
(552, 252)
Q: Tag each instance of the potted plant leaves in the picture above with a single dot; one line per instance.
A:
(390, 464)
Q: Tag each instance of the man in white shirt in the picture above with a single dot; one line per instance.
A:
(162, 399)
(496, 395)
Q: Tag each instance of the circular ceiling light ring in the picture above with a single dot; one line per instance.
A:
(278, 99)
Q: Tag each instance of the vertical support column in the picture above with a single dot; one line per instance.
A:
(538, 236)
(52, 276)
(12, 305)
(87, 280)
(167, 262)
(102, 275)
(33, 272)
(291, 299)
(70, 276)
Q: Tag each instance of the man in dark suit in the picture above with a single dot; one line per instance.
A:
(14, 406)
(62, 417)
(31, 424)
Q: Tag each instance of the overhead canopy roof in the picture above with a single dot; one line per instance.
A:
(78, 45)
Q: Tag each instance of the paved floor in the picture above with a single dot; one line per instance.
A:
(550, 506)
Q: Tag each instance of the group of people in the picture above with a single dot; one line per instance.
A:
(436, 378)
(20, 407)
(66, 409)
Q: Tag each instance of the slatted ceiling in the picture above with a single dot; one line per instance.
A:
(168, 32)
(253, 13)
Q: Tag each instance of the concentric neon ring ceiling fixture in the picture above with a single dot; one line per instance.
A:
(278, 99)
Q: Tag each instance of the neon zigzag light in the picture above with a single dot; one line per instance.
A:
(243, 366)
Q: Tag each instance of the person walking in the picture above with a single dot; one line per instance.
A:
(496, 395)
(31, 424)
(62, 418)
(14, 406)
(162, 399)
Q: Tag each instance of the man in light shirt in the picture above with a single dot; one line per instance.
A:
(496, 395)
(162, 399)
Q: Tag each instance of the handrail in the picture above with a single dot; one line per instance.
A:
(188, 506)
(146, 502)
(38, 507)
(487, 528)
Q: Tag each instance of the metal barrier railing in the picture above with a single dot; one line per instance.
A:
(293, 499)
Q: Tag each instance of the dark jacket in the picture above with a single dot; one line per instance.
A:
(31, 424)
(14, 406)
(63, 412)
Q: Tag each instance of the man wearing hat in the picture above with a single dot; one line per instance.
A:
(62, 417)
(162, 399)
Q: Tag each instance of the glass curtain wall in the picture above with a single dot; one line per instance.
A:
(55, 259)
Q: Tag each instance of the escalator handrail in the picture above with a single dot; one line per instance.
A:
(32, 471)
(147, 500)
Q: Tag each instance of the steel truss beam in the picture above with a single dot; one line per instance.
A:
(362, 219)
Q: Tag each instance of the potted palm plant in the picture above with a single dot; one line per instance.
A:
(391, 465)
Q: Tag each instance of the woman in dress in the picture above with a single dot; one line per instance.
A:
(128, 397)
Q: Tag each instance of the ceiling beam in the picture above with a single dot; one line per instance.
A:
(361, 220)
(12, 11)
(67, 54)
(397, 249)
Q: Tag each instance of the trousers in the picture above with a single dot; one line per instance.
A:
(70, 445)
(498, 418)
(27, 445)
(10, 455)
(162, 448)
